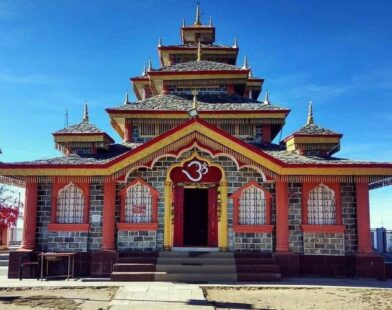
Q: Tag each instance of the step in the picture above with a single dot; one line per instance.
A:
(136, 260)
(194, 249)
(196, 254)
(4, 263)
(133, 276)
(200, 269)
(254, 261)
(134, 267)
(257, 268)
(3, 271)
(195, 260)
(4, 256)
(258, 277)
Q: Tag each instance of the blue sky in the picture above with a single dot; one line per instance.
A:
(55, 55)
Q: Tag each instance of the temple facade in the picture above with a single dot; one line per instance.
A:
(197, 169)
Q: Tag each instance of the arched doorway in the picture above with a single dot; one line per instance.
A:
(195, 204)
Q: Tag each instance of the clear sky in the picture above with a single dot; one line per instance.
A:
(54, 55)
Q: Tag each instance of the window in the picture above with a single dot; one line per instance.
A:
(252, 209)
(70, 207)
(138, 207)
(252, 206)
(321, 208)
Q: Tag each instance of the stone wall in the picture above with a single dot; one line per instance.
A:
(253, 242)
(95, 217)
(136, 241)
(44, 207)
(349, 217)
(295, 218)
(323, 244)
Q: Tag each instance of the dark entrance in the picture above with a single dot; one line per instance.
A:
(195, 217)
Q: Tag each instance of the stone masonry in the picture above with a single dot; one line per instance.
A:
(295, 218)
(323, 244)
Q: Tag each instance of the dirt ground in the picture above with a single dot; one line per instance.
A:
(299, 298)
(71, 298)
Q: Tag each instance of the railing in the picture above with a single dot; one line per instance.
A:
(15, 236)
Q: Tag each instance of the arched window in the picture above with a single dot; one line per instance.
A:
(70, 205)
(321, 206)
(139, 204)
(252, 209)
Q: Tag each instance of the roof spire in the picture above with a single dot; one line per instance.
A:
(126, 100)
(210, 23)
(250, 74)
(235, 43)
(266, 98)
(194, 102)
(310, 120)
(183, 23)
(197, 19)
(85, 113)
(144, 73)
(245, 65)
(149, 65)
(159, 42)
(198, 51)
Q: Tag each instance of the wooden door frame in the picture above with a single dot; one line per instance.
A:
(169, 207)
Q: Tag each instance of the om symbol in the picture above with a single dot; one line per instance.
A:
(201, 169)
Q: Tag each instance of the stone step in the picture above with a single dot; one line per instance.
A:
(196, 260)
(136, 260)
(134, 267)
(4, 263)
(3, 271)
(259, 277)
(179, 277)
(196, 254)
(257, 268)
(4, 256)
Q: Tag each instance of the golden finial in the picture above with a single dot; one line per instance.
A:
(210, 23)
(159, 42)
(149, 65)
(197, 19)
(245, 65)
(126, 100)
(235, 43)
(85, 113)
(310, 120)
(198, 51)
(266, 98)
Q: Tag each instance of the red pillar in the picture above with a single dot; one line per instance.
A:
(266, 133)
(128, 131)
(108, 225)
(363, 218)
(30, 216)
(282, 217)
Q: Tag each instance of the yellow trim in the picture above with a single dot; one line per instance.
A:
(195, 76)
(309, 140)
(262, 161)
(78, 138)
(203, 115)
(222, 223)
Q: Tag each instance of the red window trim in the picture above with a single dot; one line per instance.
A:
(54, 226)
(153, 225)
(240, 228)
(306, 188)
(68, 227)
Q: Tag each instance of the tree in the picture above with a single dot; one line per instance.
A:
(9, 206)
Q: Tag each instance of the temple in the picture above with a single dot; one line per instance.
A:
(197, 170)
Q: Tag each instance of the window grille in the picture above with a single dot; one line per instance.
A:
(147, 129)
(229, 128)
(70, 205)
(321, 206)
(246, 129)
(138, 204)
(252, 207)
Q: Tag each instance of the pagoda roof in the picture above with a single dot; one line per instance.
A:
(199, 65)
(168, 102)
(313, 129)
(194, 133)
(83, 127)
